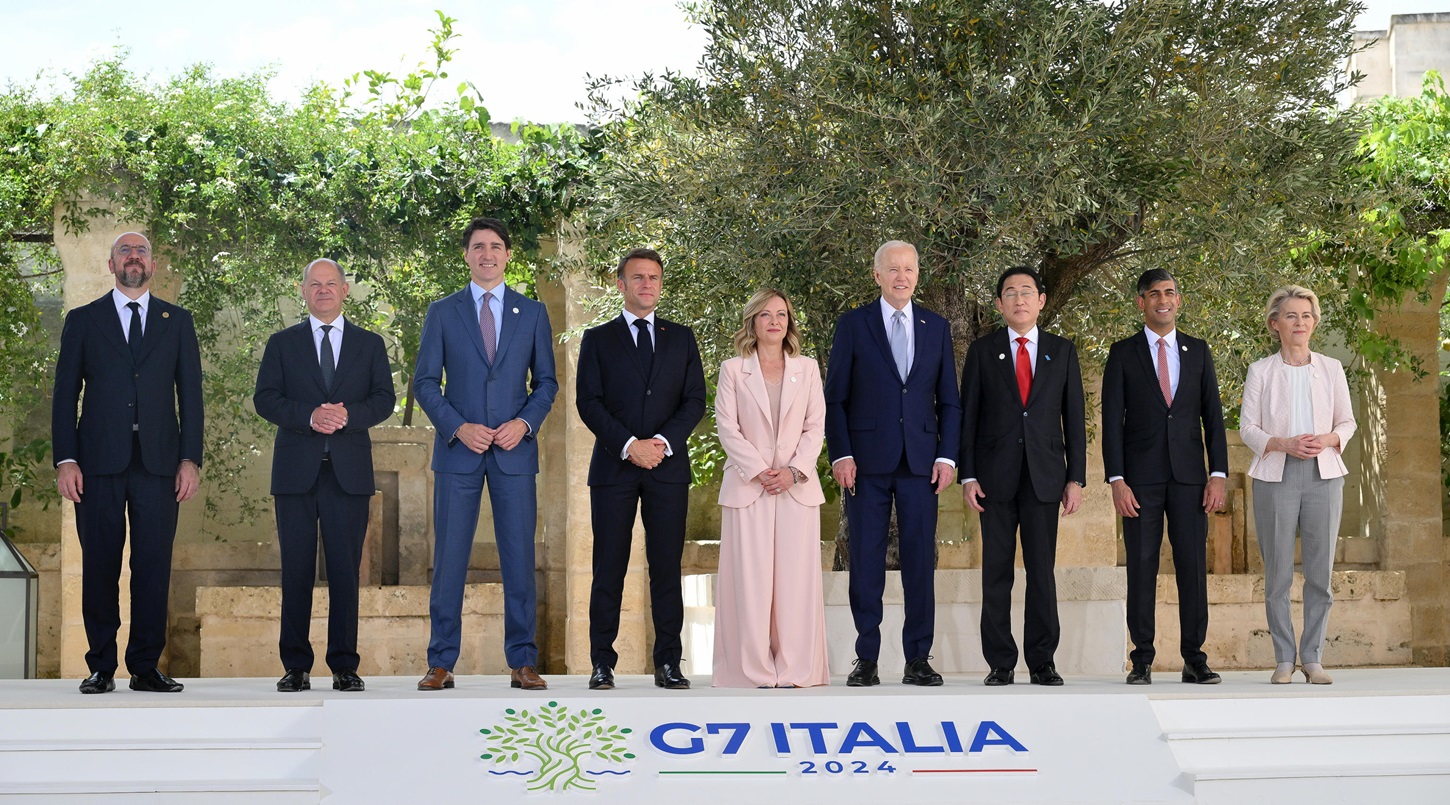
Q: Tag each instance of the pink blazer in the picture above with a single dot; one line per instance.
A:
(742, 419)
(1267, 411)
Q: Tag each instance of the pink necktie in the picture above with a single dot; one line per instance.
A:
(1163, 380)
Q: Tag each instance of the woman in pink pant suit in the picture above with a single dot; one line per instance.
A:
(770, 620)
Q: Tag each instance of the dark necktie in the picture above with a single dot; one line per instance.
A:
(1024, 370)
(133, 334)
(644, 345)
(329, 363)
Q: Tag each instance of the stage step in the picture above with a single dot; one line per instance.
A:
(161, 754)
(1331, 749)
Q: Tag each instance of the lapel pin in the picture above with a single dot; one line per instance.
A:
(516, 310)
(1184, 348)
(1001, 356)
(165, 314)
(1047, 357)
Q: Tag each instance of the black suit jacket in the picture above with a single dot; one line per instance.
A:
(1144, 440)
(999, 432)
(160, 392)
(616, 400)
(289, 388)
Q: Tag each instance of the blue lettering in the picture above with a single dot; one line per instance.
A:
(737, 735)
(816, 729)
(908, 742)
(782, 743)
(657, 738)
(949, 731)
(983, 738)
(861, 734)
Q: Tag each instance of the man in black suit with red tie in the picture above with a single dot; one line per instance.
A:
(323, 383)
(135, 450)
(641, 391)
(1024, 451)
(1161, 409)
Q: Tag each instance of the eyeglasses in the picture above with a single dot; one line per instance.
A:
(1012, 296)
(126, 250)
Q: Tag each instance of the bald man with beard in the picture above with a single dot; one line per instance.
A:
(126, 424)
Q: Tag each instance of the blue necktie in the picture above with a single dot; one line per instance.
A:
(898, 342)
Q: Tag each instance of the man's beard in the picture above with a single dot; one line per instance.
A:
(132, 276)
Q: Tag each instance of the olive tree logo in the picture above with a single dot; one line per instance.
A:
(558, 744)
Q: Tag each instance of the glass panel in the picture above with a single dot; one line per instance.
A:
(9, 559)
(14, 600)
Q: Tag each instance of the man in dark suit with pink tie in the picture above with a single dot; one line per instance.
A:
(1161, 412)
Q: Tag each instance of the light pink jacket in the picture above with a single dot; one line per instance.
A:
(1268, 410)
(742, 418)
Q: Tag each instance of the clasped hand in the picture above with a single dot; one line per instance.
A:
(329, 418)
(646, 453)
(480, 438)
(777, 480)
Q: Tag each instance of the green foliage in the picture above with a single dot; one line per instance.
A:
(558, 743)
(240, 191)
(1090, 139)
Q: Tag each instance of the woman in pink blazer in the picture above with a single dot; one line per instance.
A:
(770, 621)
(1297, 418)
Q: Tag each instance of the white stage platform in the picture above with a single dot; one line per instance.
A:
(1375, 735)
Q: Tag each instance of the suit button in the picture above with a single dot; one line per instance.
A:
(1170, 416)
(647, 392)
(490, 378)
(137, 375)
(901, 421)
(1024, 413)
(130, 405)
(903, 391)
(1019, 441)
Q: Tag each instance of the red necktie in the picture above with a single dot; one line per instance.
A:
(1163, 379)
(1024, 369)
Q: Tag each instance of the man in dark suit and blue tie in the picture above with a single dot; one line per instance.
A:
(323, 383)
(641, 391)
(892, 419)
(136, 450)
(485, 378)
(1161, 410)
(1024, 451)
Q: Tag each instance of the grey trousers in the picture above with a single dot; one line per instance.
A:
(1310, 506)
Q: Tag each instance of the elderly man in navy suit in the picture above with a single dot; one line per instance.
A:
(135, 450)
(323, 383)
(1161, 415)
(892, 419)
(485, 378)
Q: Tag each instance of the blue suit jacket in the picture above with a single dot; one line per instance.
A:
(454, 384)
(872, 413)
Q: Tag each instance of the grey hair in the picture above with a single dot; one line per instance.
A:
(1284, 294)
(888, 246)
(308, 269)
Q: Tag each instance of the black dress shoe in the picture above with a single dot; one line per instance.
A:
(98, 682)
(294, 680)
(348, 681)
(863, 675)
(1046, 674)
(999, 677)
(1200, 674)
(153, 681)
(603, 677)
(1142, 674)
(668, 676)
(919, 672)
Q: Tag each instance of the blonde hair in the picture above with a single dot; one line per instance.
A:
(1284, 294)
(745, 340)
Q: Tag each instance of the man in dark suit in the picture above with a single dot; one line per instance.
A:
(1023, 452)
(641, 391)
(485, 378)
(892, 414)
(1161, 408)
(136, 450)
(323, 383)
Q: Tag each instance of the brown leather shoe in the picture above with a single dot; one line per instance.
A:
(527, 678)
(436, 679)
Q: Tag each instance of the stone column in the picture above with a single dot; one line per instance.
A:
(83, 257)
(1401, 483)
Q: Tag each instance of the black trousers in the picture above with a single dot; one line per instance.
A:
(1182, 505)
(1038, 524)
(662, 507)
(101, 518)
(342, 520)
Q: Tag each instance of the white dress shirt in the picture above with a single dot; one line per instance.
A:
(121, 301)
